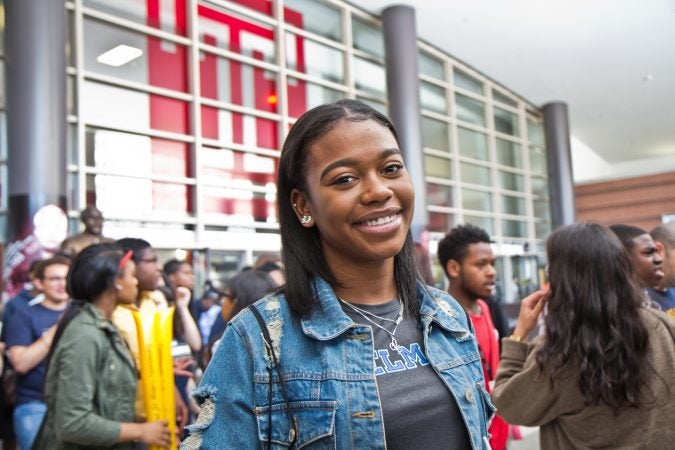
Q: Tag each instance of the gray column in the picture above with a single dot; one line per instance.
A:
(35, 45)
(400, 41)
(559, 160)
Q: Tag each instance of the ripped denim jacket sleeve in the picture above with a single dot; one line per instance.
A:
(226, 392)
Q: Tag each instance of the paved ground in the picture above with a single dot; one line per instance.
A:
(530, 440)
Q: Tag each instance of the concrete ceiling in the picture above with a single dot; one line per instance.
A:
(611, 61)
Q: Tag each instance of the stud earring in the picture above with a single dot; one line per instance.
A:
(118, 287)
(305, 220)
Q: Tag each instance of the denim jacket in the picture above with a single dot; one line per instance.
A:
(326, 362)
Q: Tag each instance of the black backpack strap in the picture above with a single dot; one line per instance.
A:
(270, 348)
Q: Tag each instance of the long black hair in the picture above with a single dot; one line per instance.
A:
(302, 252)
(92, 272)
(593, 319)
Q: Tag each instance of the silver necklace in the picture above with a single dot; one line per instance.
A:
(394, 343)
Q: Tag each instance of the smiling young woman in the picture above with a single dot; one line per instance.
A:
(354, 351)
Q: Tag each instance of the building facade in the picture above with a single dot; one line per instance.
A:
(177, 109)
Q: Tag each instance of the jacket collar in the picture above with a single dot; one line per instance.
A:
(98, 318)
(435, 306)
(329, 320)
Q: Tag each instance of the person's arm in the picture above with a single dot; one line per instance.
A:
(226, 419)
(23, 355)
(523, 393)
(190, 329)
(76, 420)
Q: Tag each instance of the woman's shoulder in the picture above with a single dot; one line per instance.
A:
(658, 321)
(82, 327)
(444, 301)
(273, 307)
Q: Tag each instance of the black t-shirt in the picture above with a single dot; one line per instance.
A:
(417, 408)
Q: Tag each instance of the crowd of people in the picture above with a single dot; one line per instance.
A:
(342, 343)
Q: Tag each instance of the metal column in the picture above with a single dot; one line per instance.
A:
(400, 40)
(559, 161)
(35, 39)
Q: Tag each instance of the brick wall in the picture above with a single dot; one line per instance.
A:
(636, 201)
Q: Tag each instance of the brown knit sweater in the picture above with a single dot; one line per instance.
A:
(523, 395)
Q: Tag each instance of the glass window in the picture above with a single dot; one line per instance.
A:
(377, 106)
(535, 133)
(471, 173)
(435, 134)
(440, 222)
(538, 160)
(502, 98)
(437, 167)
(229, 127)
(163, 18)
(514, 228)
(508, 153)
(467, 82)
(513, 205)
(511, 181)
(367, 38)
(262, 7)
(313, 58)
(314, 16)
(433, 98)
(539, 186)
(133, 197)
(506, 122)
(470, 110)
(135, 56)
(439, 194)
(111, 151)
(476, 200)
(542, 209)
(303, 95)
(369, 77)
(234, 82)
(472, 144)
(430, 66)
(542, 229)
(479, 221)
(228, 32)
(116, 107)
(219, 165)
(242, 172)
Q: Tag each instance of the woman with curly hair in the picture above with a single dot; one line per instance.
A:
(602, 374)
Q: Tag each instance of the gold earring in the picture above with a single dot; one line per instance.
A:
(305, 220)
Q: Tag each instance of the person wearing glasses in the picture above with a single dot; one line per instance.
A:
(354, 351)
(29, 336)
(91, 375)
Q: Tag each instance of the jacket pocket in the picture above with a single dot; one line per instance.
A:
(315, 424)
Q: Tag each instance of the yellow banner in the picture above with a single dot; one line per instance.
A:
(155, 332)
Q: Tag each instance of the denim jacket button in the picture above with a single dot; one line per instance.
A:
(469, 394)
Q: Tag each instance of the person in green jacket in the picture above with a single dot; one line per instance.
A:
(91, 377)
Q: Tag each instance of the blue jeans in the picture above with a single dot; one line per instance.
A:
(27, 421)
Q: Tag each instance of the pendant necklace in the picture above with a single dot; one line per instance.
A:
(394, 343)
